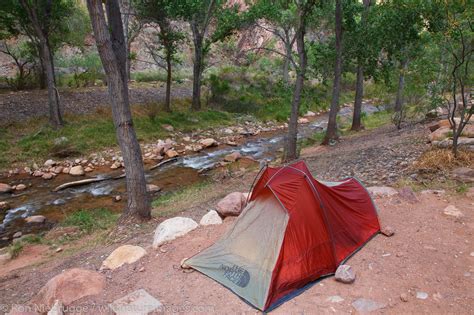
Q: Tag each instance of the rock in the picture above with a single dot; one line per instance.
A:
(468, 131)
(452, 211)
(58, 170)
(47, 176)
(433, 191)
(125, 254)
(167, 127)
(440, 134)
(421, 295)
(463, 174)
(17, 234)
(469, 194)
(49, 163)
(404, 297)
(171, 229)
(66, 170)
(4, 205)
(234, 156)
(309, 114)
(57, 308)
(335, 299)
(303, 120)
(77, 170)
(211, 218)
(345, 274)
(365, 305)
(35, 219)
(138, 302)
(5, 188)
(88, 169)
(228, 131)
(115, 165)
(407, 194)
(208, 142)
(70, 286)
(381, 191)
(38, 173)
(152, 188)
(171, 153)
(231, 205)
(20, 187)
(117, 198)
(387, 230)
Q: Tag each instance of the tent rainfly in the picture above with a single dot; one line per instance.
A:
(294, 230)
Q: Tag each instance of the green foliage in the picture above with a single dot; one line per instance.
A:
(91, 220)
(87, 70)
(157, 76)
(15, 249)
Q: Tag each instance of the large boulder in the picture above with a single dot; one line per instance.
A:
(5, 188)
(468, 131)
(440, 134)
(382, 191)
(70, 286)
(171, 229)
(463, 174)
(211, 218)
(77, 170)
(231, 205)
(125, 254)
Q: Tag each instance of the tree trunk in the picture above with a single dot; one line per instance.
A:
(286, 62)
(168, 84)
(112, 50)
(55, 115)
(401, 87)
(331, 133)
(356, 119)
(292, 138)
(197, 67)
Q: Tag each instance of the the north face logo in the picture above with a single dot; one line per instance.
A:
(237, 275)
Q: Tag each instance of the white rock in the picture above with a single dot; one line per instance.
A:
(49, 163)
(452, 211)
(382, 191)
(125, 254)
(138, 302)
(20, 187)
(152, 188)
(171, 229)
(335, 299)
(365, 305)
(309, 114)
(208, 142)
(35, 219)
(303, 120)
(421, 295)
(211, 218)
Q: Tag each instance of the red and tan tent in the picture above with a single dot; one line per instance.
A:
(294, 230)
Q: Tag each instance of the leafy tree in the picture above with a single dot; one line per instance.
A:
(111, 45)
(164, 49)
(21, 55)
(210, 21)
(39, 20)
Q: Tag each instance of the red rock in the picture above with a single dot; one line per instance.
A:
(231, 205)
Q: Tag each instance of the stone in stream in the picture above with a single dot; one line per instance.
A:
(70, 286)
(208, 142)
(17, 234)
(77, 170)
(5, 188)
(20, 187)
(345, 274)
(137, 302)
(232, 157)
(35, 219)
(125, 254)
(171, 229)
(4, 205)
(152, 188)
(171, 153)
(47, 176)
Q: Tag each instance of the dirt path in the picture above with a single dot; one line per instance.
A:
(19, 106)
(431, 253)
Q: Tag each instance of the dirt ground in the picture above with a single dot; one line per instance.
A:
(430, 253)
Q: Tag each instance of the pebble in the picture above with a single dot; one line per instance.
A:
(404, 297)
(421, 295)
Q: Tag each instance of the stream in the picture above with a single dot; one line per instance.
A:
(39, 199)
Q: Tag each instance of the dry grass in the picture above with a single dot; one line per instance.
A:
(444, 160)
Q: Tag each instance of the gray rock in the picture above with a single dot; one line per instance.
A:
(211, 218)
(382, 191)
(366, 306)
(335, 299)
(345, 274)
(138, 302)
(421, 295)
(171, 229)
(463, 174)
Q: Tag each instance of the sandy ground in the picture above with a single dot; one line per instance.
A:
(430, 252)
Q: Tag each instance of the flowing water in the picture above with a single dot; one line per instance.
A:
(40, 199)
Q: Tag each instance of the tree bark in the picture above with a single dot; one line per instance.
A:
(168, 83)
(197, 66)
(356, 119)
(292, 138)
(331, 133)
(286, 62)
(112, 50)
(401, 87)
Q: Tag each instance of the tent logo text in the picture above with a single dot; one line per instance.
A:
(237, 275)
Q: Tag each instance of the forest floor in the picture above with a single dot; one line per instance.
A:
(426, 267)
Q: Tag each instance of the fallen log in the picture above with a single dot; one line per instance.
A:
(80, 183)
(163, 162)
